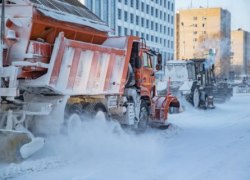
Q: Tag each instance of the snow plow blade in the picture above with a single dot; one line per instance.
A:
(10, 144)
(17, 145)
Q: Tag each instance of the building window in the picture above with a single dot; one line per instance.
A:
(152, 11)
(165, 42)
(195, 18)
(172, 6)
(160, 14)
(172, 44)
(147, 23)
(160, 28)
(156, 12)
(168, 5)
(132, 3)
(152, 25)
(156, 26)
(137, 33)
(125, 31)
(168, 44)
(168, 31)
(172, 19)
(165, 3)
(131, 32)
(119, 30)
(132, 18)
(152, 38)
(137, 4)
(165, 16)
(142, 22)
(165, 29)
(147, 37)
(142, 35)
(168, 18)
(119, 14)
(161, 2)
(156, 39)
(142, 7)
(172, 32)
(137, 20)
(125, 16)
(147, 9)
(126, 2)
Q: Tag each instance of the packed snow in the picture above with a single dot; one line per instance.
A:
(199, 145)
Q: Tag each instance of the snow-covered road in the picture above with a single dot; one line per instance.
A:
(212, 145)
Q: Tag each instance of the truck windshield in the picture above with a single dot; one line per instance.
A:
(191, 71)
(146, 60)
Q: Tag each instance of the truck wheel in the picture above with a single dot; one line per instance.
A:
(97, 111)
(72, 120)
(196, 98)
(143, 117)
(206, 103)
(74, 124)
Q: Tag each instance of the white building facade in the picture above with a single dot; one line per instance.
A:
(152, 20)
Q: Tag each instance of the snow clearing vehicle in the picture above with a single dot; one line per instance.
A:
(58, 63)
(193, 80)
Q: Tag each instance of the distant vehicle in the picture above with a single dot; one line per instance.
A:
(194, 81)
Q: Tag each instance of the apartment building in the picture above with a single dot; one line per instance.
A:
(201, 29)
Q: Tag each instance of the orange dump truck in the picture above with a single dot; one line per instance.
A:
(58, 63)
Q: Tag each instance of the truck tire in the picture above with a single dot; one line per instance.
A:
(143, 117)
(72, 118)
(74, 124)
(97, 110)
(196, 97)
(206, 102)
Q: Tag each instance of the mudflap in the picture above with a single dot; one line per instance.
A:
(10, 144)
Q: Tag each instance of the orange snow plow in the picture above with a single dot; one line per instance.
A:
(59, 64)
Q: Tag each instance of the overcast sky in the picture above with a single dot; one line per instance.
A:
(240, 9)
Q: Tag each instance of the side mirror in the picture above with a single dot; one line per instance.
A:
(159, 59)
(158, 67)
(138, 63)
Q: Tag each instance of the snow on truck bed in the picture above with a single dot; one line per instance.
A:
(200, 145)
(70, 11)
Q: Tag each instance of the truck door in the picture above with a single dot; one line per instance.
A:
(147, 75)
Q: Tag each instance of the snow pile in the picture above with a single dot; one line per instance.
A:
(30, 166)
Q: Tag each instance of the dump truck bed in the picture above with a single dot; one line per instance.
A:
(79, 68)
